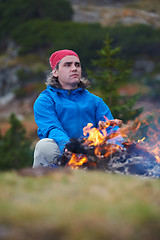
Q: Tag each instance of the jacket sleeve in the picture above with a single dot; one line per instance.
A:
(48, 123)
(102, 111)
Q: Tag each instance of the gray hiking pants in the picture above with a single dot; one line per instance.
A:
(46, 152)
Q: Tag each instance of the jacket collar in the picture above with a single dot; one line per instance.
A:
(68, 91)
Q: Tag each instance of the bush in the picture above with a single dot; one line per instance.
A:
(14, 13)
(48, 36)
(15, 148)
(137, 40)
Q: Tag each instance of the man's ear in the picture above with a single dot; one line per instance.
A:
(55, 72)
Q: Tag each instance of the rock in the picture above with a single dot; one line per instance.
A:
(114, 14)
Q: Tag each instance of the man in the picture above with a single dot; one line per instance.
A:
(64, 108)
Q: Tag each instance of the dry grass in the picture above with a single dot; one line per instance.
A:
(79, 205)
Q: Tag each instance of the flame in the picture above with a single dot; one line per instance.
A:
(141, 140)
(157, 159)
(95, 136)
(99, 138)
(152, 132)
(76, 161)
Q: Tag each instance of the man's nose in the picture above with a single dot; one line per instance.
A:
(74, 68)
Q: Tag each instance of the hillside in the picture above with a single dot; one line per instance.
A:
(17, 69)
(147, 5)
(111, 15)
(111, 12)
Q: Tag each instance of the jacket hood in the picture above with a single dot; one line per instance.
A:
(53, 82)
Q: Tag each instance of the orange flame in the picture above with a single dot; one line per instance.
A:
(152, 131)
(141, 140)
(76, 161)
(95, 137)
(98, 137)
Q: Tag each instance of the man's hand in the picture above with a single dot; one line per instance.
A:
(114, 122)
(75, 146)
(67, 152)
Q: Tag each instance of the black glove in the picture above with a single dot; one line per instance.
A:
(75, 146)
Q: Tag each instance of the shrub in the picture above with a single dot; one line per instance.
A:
(48, 36)
(137, 40)
(17, 12)
(15, 148)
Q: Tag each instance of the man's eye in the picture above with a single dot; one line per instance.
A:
(67, 64)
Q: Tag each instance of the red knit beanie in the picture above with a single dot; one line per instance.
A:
(58, 55)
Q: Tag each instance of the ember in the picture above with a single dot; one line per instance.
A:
(110, 152)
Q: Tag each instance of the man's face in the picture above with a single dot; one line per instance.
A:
(69, 72)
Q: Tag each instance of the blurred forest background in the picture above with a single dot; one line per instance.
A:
(116, 40)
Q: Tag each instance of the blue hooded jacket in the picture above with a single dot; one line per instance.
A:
(62, 114)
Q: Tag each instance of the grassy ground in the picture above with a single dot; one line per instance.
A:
(78, 204)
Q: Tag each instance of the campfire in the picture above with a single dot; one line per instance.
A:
(123, 150)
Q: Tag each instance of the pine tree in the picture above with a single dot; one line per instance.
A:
(15, 148)
(109, 74)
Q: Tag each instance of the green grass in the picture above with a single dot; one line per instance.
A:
(77, 205)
